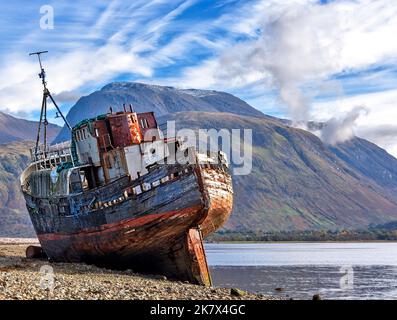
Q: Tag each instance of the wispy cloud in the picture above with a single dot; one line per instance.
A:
(106, 46)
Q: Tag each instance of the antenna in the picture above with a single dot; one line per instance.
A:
(42, 72)
(43, 113)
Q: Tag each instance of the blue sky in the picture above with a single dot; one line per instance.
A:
(300, 59)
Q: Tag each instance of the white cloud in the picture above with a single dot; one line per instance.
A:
(74, 70)
(302, 43)
(339, 129)
(378, 126)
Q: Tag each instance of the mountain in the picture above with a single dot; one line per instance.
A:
(297, 182)
(162, 100)
(16, 138)
(14, 218)
(16, 129)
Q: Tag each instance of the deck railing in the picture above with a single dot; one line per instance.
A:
(53, 155)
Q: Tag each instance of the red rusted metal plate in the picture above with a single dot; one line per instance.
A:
(125, 129)
(197, 259)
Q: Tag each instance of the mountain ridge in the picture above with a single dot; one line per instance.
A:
(159, 99)
(11, 129)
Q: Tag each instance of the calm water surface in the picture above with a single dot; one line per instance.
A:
(334, 270)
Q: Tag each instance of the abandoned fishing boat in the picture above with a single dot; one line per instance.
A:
(122, 195)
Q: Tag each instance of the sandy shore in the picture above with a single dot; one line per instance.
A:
(22, 278)
(27, 241)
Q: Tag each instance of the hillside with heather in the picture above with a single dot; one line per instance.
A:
(299, 183)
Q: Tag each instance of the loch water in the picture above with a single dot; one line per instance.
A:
(299, 270)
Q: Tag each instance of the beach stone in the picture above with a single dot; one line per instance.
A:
(237, 292)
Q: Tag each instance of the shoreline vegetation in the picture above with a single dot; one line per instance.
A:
(22, 278)
(374, 233)
(387, 232)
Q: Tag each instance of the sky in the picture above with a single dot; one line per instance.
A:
(331, 61)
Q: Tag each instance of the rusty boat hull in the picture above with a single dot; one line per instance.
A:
(158, 231)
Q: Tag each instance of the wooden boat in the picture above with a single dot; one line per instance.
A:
(122, 195)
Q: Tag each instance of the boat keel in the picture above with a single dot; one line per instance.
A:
(189, 259)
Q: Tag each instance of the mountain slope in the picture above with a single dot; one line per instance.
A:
(370, 160)
(15, 129)
(14, 218)
(299, 183)
(161, 100)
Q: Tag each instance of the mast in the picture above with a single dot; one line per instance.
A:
(43, 113)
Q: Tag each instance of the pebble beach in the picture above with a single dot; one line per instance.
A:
(36, 279)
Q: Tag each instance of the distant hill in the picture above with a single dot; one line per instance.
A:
(16, 129)
(161, 100)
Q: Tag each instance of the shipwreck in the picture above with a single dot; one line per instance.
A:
(121, 194)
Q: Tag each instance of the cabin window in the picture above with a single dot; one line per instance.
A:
(144, 123)
(146, 186)
(165, 179)
(75, 182)
(83, 179)
(137, 190)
